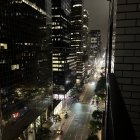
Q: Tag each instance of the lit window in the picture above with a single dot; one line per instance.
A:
(55, 69)
(84, 26)
(55, 61)
(77, 5)
(3, 46)
(72, 21)
(55, 65)
(85, 15)
(54, 23)
(15, 67)
(56, 15)
(55, 58)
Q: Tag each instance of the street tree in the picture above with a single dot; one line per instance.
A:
(95, 126)
(43, 134)
(101, 85)
(92, 137)
(97, 115)
(100, 88)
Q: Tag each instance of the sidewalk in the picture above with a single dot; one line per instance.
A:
(58, 125)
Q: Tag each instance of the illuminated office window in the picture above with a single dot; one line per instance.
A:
(15, 67)
(3, 46)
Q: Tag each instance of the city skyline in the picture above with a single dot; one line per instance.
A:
(57, 81)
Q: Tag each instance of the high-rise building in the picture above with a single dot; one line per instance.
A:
(24, 61)
(123, 108)
(95, 42)
(85, 34)
(85, 31)
(85, 40)
(63, 59)
(77, 36)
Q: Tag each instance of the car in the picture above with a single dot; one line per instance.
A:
(59, 131)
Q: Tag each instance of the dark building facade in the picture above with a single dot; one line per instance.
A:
(77, 36)
(123, 114)
(63, 59)
(25, 70)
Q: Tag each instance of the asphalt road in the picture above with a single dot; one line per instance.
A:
(76, 126)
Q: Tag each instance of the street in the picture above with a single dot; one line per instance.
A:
(77, 124)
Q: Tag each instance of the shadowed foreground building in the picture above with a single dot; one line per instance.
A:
(25, 71)
(123, 108)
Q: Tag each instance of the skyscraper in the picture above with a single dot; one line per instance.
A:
(63, 62)
(95, 42)
(123, 114)
(24, 70)
(85, 34)
(77, 36)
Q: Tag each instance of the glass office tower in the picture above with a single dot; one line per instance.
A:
(77, 37)
(63, 62)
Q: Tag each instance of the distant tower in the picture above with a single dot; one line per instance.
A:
(77, 36)
(85, 31)
(95, 43)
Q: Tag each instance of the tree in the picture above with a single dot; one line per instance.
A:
(97, 115)
(43, 134)
(100, 88)
(95, 126)
(101, 84)
(93, 137)
(102, 96)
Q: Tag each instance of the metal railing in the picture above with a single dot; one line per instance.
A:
(118, 125)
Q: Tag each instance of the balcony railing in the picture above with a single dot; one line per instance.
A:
(117, 122)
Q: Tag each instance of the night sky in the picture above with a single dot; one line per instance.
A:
(98, 16)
